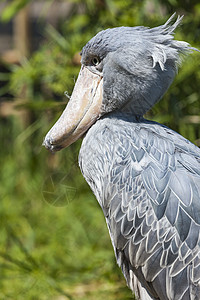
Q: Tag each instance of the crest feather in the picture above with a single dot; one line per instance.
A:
(164, 47)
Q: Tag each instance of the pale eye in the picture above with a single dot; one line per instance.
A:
(95, 61)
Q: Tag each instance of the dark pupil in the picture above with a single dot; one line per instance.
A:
(95, 61)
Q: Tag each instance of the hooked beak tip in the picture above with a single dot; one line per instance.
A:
(47, 143)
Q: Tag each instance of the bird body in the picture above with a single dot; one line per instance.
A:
(145, 176)
(146, 179)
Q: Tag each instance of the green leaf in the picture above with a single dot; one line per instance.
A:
(13, 8)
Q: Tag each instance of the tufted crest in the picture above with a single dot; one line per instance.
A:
(158, 42)
(146, 58)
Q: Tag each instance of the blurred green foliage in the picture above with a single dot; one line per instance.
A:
(54, 243)
(12, 8)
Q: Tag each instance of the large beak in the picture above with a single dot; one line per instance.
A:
(83, 109)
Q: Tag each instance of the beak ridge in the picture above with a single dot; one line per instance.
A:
(83, 109)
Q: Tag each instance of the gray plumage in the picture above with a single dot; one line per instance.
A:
(145, 176)
(137, 62)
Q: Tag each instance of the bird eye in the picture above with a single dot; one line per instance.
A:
(95, 61)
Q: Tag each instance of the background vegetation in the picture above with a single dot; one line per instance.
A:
(54, 242)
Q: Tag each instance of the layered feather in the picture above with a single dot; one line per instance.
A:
(149, 190)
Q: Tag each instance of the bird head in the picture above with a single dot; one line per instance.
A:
(123, 68)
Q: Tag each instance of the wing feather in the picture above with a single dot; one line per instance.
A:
(150, 195)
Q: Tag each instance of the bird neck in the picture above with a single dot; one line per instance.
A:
(136, 108)
(126, 115)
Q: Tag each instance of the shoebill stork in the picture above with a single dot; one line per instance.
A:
(145, 176)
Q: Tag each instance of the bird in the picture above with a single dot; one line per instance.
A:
(145, 176)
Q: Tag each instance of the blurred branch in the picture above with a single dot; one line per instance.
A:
(34, 267)
(57, 37)
(22, 32)
(14, 261)
(21, 246)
